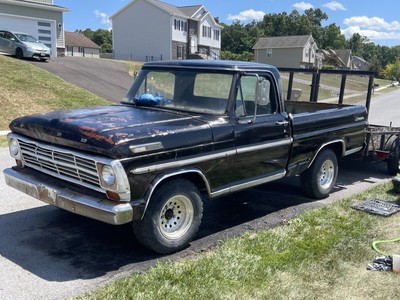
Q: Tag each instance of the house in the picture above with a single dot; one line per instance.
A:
(79, 45)
(340, 59)
(360, 64)
(146, 30)
(40, 18)
(286, 51)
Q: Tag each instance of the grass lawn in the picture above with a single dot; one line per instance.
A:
(322, 254)
(25, 89)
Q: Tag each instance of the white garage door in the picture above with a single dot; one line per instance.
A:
(44, 30)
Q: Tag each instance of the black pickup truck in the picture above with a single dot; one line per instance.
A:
(186, 131)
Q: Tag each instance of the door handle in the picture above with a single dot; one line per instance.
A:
(282, 123)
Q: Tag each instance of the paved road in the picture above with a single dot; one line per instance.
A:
(105, 78)
(385, 108)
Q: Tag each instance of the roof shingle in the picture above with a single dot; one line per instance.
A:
(79, 40)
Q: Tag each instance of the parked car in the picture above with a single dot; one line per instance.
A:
(23, 45)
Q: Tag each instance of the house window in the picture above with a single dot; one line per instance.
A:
(269, 52)
(44, 24)
(179, 52)
(81, 50)
(42, 31)
(216, 35)
(206, 31)
(180, 25)
(306, 50)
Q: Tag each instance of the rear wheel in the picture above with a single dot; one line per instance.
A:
(19, 53)
(319, 179)
(172, 218)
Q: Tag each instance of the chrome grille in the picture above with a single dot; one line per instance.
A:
(61, 164)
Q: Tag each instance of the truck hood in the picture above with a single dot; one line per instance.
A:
(111, 130)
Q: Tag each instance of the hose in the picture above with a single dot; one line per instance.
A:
(375, 243)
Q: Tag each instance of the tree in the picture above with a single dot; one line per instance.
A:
(332, 38)
(101, 37)
(393, 71)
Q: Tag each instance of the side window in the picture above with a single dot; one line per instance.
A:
(246, 98)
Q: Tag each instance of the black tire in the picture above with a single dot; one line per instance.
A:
(19, 53)
(393, 162)
(172, 218)
(319, 179)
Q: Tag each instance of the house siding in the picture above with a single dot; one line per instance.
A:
(208, 41)
(284, 58)
(82, 52)
(140, 33)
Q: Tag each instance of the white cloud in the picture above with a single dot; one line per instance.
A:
(373, 28)
(375, 23)
(334, 5)
(371, 34)
(248, 15)
(102, 16)
(302, 5)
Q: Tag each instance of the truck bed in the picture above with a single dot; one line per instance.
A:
(315, 124)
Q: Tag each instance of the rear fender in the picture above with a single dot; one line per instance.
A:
(337, 146)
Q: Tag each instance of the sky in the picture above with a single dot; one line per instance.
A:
(378, 21)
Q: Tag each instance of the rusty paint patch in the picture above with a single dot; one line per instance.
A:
(92, 134)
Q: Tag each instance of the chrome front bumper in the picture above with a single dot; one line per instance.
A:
(54, 192)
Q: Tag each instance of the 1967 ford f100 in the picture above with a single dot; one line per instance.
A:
(186, 131)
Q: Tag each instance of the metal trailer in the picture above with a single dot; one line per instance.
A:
(383, 143)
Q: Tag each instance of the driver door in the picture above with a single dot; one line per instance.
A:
(262, 133)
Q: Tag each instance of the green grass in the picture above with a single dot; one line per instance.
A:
(26, 89)
(3, 142)
(322, 254)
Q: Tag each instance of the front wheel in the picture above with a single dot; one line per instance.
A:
(172, 218)
(19, 53)
(318, 180)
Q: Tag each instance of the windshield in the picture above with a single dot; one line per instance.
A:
(26, 38)
(186, 90)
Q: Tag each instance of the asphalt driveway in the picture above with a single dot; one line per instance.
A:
(105, 78)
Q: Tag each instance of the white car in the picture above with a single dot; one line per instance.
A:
(23, 45)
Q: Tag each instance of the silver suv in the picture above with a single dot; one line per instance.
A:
(23, 45)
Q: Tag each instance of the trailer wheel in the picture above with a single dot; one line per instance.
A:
(172, 218)
(318, 180)
(393, 162)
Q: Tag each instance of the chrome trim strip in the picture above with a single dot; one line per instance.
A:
(182, 162)
(265, 145)
(54, 193)
(249, 184)
(326, 144)
(352, 151)
(199, 159)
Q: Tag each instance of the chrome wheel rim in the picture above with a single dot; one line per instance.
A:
(326, 174)
(176, 217)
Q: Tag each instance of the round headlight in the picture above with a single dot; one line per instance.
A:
(14, 147)
(108, 175)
